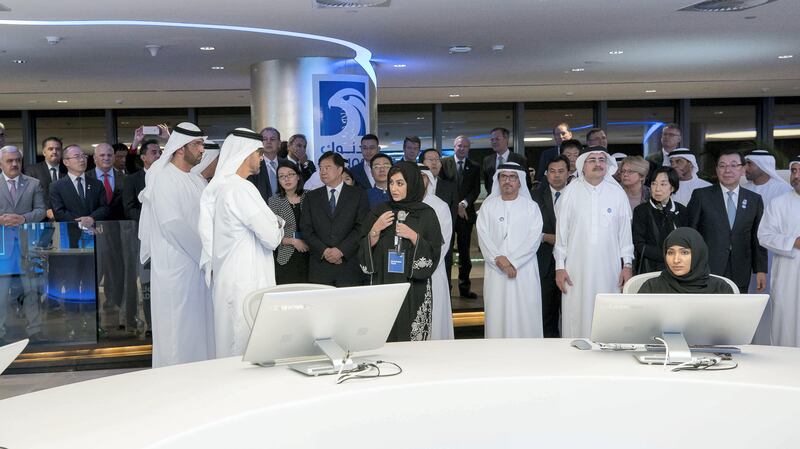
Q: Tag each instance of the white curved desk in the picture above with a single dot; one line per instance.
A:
(468, 393)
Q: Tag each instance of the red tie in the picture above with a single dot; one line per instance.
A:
(109, 190)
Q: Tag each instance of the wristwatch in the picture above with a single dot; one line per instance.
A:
(627, 265)
(373, 233)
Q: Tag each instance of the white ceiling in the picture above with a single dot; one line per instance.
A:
(678, 54)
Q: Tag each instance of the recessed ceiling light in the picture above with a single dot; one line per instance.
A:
(577, 69)
(399, 66)
(460, 49)
(785, 56)
(569, 94)
(454, 95)
(650, 91)
(209, 48)
(567, 115)
(420, 118)
(616, 52)
(19, 61)
(719, 112)
(217, 67)
(62, 101)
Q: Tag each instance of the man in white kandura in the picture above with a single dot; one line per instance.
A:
(779, 232)
(442, 315)
(763, 178)
(239, 233)
(593, 249)
(509, 233)
(685, 164)
(181, 305)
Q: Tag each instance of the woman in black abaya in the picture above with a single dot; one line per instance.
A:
(687, 271)
(406, 220)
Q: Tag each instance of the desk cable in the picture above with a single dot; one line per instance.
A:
(368, 369)
(698, 363)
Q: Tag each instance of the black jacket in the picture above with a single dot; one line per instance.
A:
(490, 162)
(41, 172)
(470, 187)
(544, 198)
(134, 184)
(707, 214)
(67, 205)
(341, 230)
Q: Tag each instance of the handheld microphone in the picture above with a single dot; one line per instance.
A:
(401, 218)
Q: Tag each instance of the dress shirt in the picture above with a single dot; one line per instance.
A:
(725, 195)
(504, 155)
(553, 193)
(73, 178)
(99, 173)
(338, 192)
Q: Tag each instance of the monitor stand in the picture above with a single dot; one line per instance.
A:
(679, 351)
(338, 360)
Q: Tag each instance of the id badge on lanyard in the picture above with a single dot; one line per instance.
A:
(396, 262)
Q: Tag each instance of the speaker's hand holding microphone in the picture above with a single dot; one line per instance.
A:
(403, 231)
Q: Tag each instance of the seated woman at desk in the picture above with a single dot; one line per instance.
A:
(687, 271)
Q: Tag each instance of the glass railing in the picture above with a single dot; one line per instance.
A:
(63, 286)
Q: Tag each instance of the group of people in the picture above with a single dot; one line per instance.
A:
(95, 202)
(550, 241)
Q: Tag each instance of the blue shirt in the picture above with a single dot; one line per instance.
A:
(377, 196)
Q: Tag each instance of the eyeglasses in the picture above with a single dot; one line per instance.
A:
(81, 157)
(503, 177)
(287, 176)
(627, 172)
(381, 166)
(724, 167)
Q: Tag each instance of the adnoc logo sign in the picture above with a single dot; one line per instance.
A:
(341, 114)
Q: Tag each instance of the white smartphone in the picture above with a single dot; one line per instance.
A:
(151, 130)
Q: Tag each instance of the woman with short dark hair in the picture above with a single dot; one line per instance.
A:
(291, 257)
(655, 219)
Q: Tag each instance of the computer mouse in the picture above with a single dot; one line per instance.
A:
(583, 345)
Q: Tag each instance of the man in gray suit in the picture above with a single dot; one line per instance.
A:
(21, 201)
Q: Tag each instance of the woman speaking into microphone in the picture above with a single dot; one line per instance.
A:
(401, 243)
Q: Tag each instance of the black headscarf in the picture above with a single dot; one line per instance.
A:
(415, 188)
(698, 279)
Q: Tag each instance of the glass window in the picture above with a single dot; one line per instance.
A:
(718, 125)
(786, 133)
(395, 122)
(86, 128)
(130, 119)
(13, 128)
(475, 121)
(541, 118)
(634, 128)
(218, 122)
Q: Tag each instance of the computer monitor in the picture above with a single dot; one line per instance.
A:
(680, 319)
(9, 353)
(293, 326)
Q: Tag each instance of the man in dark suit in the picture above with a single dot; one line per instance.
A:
(21, 201)
(296, 153)
(670, 141)
(499, 140)
(546, 196)
(561, 133)
(149, 152)
(75, 198)
(116, 261)
(467, 176)
(362, 174)
(446, 191)
(49, 170)
(266, 181)
(331, 224)
(728, 216)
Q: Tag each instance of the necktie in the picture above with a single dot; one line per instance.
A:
(332, 202)
(558, 194)
(460, 171)
(53, 175)
(273, 177)
(499, 161)
(12, 188)
(81, 193)
(731, 210)
(109, 190)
